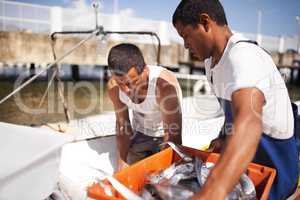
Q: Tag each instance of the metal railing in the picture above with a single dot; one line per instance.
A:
(16, 16)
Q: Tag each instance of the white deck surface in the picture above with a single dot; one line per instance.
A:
(30, 159)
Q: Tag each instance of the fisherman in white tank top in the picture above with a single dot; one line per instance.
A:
(153, 94)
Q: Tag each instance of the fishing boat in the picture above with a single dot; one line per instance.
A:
(58, 161)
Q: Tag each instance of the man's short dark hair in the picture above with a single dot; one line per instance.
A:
(188, 12)
(123, 57)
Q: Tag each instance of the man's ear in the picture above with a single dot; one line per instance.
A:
(205, 21)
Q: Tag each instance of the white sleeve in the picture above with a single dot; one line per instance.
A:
(249, 68)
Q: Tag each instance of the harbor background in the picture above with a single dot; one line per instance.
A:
(25, 50)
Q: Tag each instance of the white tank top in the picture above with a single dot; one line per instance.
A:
(146, 116)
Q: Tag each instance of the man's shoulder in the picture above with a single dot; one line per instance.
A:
(167, 84)
(248, 57)
(165, 80)
(167, 76)
(247, 52)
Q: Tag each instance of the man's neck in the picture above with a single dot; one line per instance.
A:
(221, 41)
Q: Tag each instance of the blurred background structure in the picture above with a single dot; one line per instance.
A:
(25, 49)
(31, 19)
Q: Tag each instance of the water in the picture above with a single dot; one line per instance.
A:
(84, 98)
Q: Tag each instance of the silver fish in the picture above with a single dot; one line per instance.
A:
(173, 174)
(182, 180)
(204, 172)
(244, 190)
(192, 184)
(146, 195)
(236, 193)
(172, 192)
(248, 188)
(184, 156)
(198, 166)
(166, 174)
(185, 168)
(179, 177)
(149, 192)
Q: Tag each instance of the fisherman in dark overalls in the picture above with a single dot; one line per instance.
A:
(260, 125)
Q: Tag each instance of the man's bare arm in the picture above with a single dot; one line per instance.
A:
(240, 149)
(123, 126)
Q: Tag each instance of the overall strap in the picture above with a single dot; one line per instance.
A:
(253, 42)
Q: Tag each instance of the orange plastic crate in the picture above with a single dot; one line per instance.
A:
(134, 176)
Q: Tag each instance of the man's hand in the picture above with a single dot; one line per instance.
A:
(216, 145)
(121, 164)
(163, 146)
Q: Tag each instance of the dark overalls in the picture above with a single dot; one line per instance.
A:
(281, 154)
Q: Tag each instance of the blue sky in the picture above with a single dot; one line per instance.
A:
(278, 16)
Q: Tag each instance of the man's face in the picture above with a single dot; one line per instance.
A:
(129, 83)
(197, 40)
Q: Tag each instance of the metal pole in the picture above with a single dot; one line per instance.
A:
(140, 33)
(258, 36)
(96, 7)
(259, 15)
(101, 31)
(298, 23)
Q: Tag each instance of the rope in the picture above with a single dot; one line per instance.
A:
(60, 85)
(48, 87)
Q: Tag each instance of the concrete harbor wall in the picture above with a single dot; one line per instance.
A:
(24, 47)
(34, 51)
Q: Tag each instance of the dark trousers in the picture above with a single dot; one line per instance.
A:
(143, 146)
